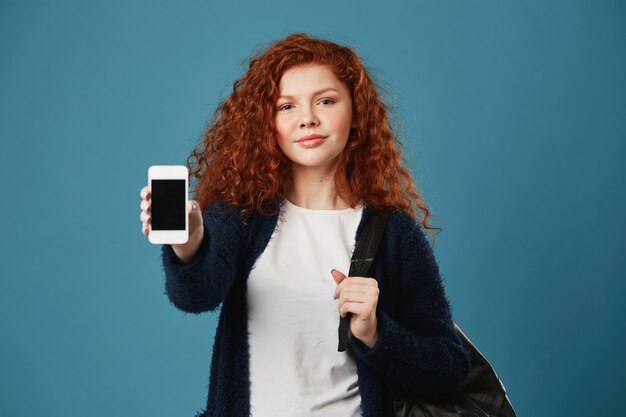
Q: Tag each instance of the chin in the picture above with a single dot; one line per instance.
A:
(314, 163)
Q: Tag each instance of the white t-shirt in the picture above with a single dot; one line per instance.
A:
(295, 368)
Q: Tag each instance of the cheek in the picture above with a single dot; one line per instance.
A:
(282, 129)
(341, 121)
(282, 139)
(280, 135)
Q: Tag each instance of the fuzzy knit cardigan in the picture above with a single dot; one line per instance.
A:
(417, 353)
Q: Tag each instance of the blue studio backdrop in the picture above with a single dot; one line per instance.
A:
(512, 116)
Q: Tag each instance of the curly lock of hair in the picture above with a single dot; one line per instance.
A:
(238, 159)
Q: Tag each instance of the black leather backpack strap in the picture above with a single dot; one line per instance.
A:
(361, 263)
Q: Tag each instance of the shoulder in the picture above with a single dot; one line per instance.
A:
(403, 229)
(229, 212)
(233, 220)
(406, 245)
(222, 218)
(402, 232)
(414, 260)
(221, 209)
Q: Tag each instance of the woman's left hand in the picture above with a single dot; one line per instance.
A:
(359, 296)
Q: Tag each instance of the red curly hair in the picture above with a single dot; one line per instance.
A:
(239, 161)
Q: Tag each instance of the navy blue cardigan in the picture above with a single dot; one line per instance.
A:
(417, 351)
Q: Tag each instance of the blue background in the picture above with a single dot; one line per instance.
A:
(513, 119)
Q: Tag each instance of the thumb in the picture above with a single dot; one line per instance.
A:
(195, 214)
(192, 206)
(338, 276)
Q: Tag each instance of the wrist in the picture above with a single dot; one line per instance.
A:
(186, 251)
(371, 340)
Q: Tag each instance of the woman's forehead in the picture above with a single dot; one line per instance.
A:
(309, 79)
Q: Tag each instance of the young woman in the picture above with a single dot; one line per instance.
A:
(292, 164)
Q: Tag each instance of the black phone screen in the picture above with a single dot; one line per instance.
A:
(168, 206)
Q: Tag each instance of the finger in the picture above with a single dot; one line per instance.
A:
(192, 206)
(356, 282)
(341, 281)
(357, 285)
(364, 281)
(358, 297)
(145, 206)
(145, 217)
(145, 192)
(360, 309)
(359, 292)
(338, 276)
(359, 282)
(144, 228)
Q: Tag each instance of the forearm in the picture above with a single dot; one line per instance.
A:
(198, 278)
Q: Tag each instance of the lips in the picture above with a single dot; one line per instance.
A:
(308, 137)
(311, 141)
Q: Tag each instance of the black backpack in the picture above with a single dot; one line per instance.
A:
(482, 394)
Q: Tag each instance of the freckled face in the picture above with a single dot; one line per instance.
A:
(313, 101)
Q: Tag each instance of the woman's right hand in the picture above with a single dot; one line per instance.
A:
(184, 251)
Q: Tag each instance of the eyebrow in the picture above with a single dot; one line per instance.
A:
(315, 93)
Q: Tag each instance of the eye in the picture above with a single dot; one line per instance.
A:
(283, 107)
(327, 99)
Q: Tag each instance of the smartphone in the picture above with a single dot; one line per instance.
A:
(168, 185)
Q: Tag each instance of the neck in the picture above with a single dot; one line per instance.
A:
(314, 188)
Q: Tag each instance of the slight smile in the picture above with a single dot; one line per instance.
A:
(308, 137)
(311, 141)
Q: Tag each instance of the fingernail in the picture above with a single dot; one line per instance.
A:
(332, 270)
(145, 217)
(334, 295)
(144, 194)
(194, 207)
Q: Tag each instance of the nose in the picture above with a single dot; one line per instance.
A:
(308, 118)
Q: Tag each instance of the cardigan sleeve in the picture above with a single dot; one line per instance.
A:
(418, 353)
(202, 283)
